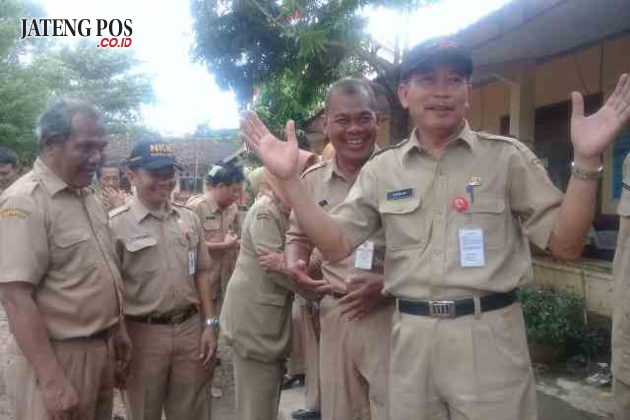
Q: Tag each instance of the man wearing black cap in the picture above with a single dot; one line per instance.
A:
(165, 269)
(459, 209)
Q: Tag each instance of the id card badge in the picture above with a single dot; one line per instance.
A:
(364, 256)
(471, 247)
(192, 262)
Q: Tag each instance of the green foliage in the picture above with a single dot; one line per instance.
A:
(552, 317)
(289, 50)
(34, 71)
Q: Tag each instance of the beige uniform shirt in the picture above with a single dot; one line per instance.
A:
(256, 313)
(216, 222)
(57, 239)
(159, 254)
(328, 187)
(410, 194)
(621, 278)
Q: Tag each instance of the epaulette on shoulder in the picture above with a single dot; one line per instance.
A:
(182, 206)
(511, 140)
(390, 147)
(195, 199)
(118, 211)
(314, 168)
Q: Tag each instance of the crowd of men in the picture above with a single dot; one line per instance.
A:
(398, 268)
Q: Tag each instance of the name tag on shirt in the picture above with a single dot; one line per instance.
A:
(399, 194)
(364, 256)
(471, 247)
(192, 262)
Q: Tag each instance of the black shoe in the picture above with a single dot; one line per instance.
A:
(289, 381)
(306, 414)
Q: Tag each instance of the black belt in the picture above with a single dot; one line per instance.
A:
(174, 319)
(454, 308)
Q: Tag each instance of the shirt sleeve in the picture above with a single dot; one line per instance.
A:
(624, 201)
(23, 242)
(294, 234)
(533, 197)
(358, 215)
(204, 262)
(268, 236)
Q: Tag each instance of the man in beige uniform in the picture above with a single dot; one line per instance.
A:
(169, 312)
(458, 209)
(109, 192)
(59, 278)
(217, 210)
(8, 167)
(621, 312)
(353, 353)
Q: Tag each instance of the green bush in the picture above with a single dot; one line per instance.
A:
(552, 317)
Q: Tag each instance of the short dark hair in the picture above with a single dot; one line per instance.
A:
(54, 126)
(8, 156)
(229, 174)
(99, 170)
(352, 86)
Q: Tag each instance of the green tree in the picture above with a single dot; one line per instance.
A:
(34, 71)
(288, 51)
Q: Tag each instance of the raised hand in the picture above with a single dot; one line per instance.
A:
(280, 158)
(591, 135)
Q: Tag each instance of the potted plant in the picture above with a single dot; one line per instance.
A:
(552, 318)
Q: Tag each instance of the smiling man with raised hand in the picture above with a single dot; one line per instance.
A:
(60, 283)
(459, 209)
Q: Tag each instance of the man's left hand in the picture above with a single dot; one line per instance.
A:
(122, 355)
(364, 293)
(208, 347)
(591, 135)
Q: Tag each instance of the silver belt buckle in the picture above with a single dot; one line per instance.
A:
(442, 308)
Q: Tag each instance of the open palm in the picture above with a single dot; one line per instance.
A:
(591, 135)
(280, 158)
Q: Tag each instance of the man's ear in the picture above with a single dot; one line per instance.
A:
(403, 91)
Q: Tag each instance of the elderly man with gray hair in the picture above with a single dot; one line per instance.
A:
(60, 282)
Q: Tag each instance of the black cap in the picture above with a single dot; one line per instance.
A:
(424, 56)
(152, 155)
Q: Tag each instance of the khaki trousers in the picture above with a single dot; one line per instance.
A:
(354, 364)
(166, 373)
(88, 365)
(621, 391)
(310, 350)
(464, 368)
(257, 388)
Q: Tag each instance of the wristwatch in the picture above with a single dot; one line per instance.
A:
(212, 322)
(586, 174)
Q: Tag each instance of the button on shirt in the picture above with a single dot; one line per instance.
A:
(411, 195)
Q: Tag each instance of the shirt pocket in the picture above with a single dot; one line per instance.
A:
(404, 223)
(490, 215)
(142, 255)
(272, 313)
(72, 249)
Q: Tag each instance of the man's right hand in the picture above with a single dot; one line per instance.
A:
(60, 398)
(279, 157)
(313, 288)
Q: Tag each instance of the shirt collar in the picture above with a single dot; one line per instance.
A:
(140, 211)
(52, 183)
(333, 169)
(465, 134)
